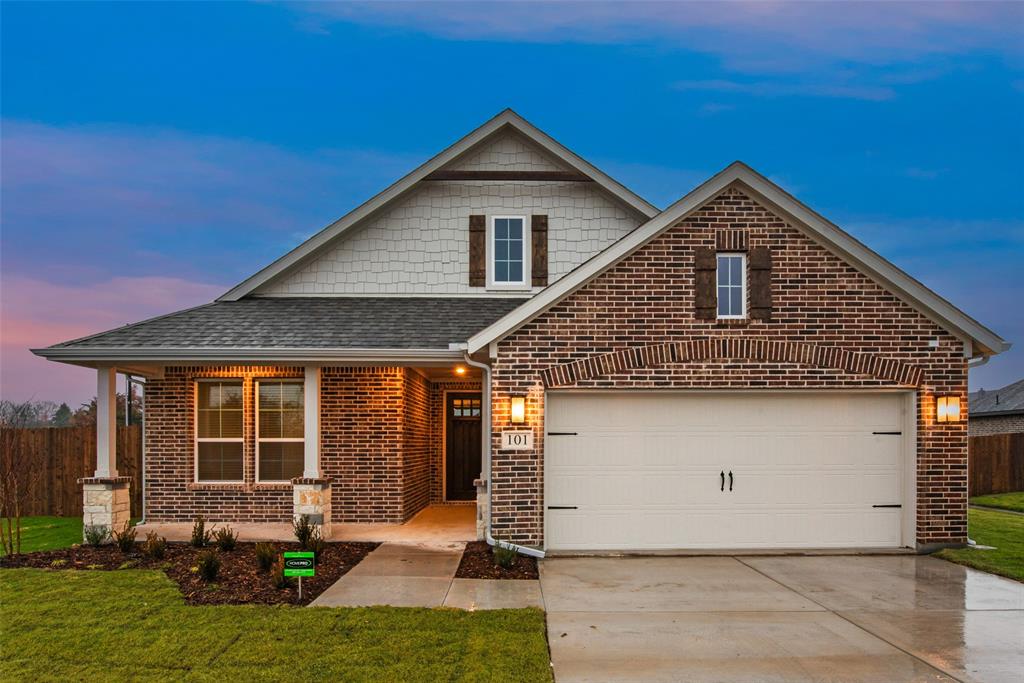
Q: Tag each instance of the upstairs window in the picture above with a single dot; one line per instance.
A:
(732, 285)
(219, 431)
(508, 246)
(280, 430)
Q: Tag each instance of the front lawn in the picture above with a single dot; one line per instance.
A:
(1006, 501)
(1000, 529)
(134, 625)
(47, 533)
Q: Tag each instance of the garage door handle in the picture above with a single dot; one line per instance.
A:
(722, 475)
(562, 507)
(890, 505)
(730, 480)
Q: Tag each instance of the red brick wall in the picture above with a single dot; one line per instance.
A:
(823, 307)
(378, 444)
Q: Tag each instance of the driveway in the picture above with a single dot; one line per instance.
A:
(731, 619)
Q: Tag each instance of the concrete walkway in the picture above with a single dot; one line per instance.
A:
(423, 575)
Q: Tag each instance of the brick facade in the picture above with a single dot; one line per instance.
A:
(379, 443)
(984, 425)
(634, 326)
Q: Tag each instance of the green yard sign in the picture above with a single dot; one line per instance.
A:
(299, 563)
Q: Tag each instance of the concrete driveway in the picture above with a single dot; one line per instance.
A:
(835, 618)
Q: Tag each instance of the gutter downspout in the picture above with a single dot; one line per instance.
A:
(486, 418)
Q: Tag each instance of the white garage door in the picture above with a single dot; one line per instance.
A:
(720, 470)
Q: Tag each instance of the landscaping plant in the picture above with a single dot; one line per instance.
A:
(95, 534)
(200, 536)
(303, 531)
(316, 544)
(225, 538)
(125, 538)
(209, 565)
(503, 557)
(155, 546)
(277, 577)
(266, 554)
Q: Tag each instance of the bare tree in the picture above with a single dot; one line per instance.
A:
(20, 472)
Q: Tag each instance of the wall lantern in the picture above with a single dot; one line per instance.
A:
(517, 414)
(947, 409)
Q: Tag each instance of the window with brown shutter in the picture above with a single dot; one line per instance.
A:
(760, 259)
(477, 251)
(539, 247)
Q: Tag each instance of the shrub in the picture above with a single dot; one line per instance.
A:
(57, 564)
(225, 538)
(303, 530)
(266, 555)
(503, 557)
(277, 577)
(316, 544)
(155, 546)
(200, 536)
(95, 534)
(208, 564)
(125, 538)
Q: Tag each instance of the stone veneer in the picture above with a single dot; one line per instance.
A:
(634, 326)
(106, 502)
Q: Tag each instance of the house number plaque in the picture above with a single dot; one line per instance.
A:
(517, 441)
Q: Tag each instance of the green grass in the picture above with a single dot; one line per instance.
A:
(999, 529)
(48, 533)
(1006, 501)
(134, 625)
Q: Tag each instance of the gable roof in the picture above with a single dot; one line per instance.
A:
(507, 119)
(979, 339)
(1006, 401)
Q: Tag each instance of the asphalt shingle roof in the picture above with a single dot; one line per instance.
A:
(1009, 398)
(321, 322)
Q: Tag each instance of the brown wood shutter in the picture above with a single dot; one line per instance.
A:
(760, 259)
(705, 266)
(539, 243)
(477, 251)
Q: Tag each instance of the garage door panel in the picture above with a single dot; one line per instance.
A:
(644, 470)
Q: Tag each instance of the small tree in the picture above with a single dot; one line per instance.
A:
(62, 418)
(21, 468)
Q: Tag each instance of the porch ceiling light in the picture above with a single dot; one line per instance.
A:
(947, 409)
(517, 413)
(460, 370)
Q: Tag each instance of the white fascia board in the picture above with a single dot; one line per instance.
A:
(406, 183)
(818, 228)
(260, 355)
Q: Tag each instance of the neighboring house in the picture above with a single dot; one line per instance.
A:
(997, 412)
(731, 372)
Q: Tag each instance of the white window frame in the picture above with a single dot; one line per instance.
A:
(524, 284)
(743, 284)
(256, 433)
(196, 440)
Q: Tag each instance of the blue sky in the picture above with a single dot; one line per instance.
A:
(153, 155)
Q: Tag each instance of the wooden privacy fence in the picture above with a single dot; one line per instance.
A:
(996, 463)
(67, 454)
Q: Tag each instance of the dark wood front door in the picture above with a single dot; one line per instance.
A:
(463, 446)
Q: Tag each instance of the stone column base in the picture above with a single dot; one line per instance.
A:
(106, 502)
(312, 497)
(482, 510)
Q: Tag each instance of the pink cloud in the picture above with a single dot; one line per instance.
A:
(36, 313)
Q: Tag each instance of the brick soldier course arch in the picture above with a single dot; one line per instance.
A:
(568, 374)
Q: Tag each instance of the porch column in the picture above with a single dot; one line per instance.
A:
(311, 493)
(106, 503)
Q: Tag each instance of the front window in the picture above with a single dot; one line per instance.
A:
(219, 431)
(280, 430)
(508, 245)
(732, 286)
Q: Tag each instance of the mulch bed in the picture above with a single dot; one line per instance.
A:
(238, 582)
(478, 563)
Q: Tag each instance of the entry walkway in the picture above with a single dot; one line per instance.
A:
(423, 575)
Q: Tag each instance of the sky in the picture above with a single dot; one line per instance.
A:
(154, 155)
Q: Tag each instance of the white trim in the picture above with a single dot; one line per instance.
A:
(311, 468)
(256, 425)
(195, 431)
(492, 251)
(815, 226)
(507, 118)
(743, 284)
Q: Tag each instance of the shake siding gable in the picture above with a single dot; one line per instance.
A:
(636, 326)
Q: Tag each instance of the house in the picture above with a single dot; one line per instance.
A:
(509, 325)
(1000, 411)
